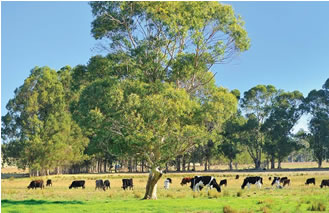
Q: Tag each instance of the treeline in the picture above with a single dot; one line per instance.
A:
(152, 102)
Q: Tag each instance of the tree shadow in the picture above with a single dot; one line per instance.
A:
(37, 202)
(13, 175)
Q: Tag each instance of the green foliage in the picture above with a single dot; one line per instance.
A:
(38, 130)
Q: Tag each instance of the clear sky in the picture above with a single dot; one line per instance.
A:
(289, 43)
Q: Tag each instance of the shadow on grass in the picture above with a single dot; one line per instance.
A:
(37, 202)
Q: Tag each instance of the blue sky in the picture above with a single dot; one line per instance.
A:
(289, 43)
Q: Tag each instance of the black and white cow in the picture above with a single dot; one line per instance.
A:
(127, 183)
(77, 183)
(223, 182)
(252, 180)
(324, 183)
(310, 180)
(167, 183)
(107, 184)
(198, 182)
(276, 180)
(100, 185)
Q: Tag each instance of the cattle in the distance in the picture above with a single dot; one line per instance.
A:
(36, 184)
(107, 184)
(252, 180)
(186, 181)
(77, 184)
(310, 181)
(286, 182)
(100, 185)
(276, 180)
(198, 182)
(167, 183)
(237, 177)
(270, 178)
(282, 179)
(49, 183)
(324, 183)
(127, 183)
(223, 182)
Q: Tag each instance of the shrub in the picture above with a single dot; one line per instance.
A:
(228, 209)
(318, 206)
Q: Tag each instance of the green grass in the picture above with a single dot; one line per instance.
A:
(295, 198)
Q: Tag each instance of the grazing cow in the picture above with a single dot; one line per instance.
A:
(310, 180)
(252, 180)
(270, 178)
(198, 182)
(36, 184)
(276, 180)
(185, 181)
(223, 182)
(49, 183)
(127, 183)
(167, 183)
(282, 179)
(237, 177)
(286, 182)
(100, 185)
(77, 184)
(324, 183)
(107, 184)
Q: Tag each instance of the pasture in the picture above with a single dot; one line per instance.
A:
(59, 198)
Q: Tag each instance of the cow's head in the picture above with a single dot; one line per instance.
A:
(215, 185)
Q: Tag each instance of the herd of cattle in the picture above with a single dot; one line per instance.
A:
(197, 183)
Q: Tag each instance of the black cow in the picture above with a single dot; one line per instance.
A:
(36, 184)
(282, 179)
(198, 182)
(107, 184)
(252, 180)
(270, 178)
(223, 182)
(237, 177)
(100, 185)
(286, 182)
(49, 183)
(77, 184)
(310, 180)
(324, 183)
(127, 183)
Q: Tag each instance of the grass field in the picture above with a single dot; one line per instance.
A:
(58, 198)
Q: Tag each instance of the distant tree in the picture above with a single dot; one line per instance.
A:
(317, 104)
(230, 146)
(38, 130)
(256, 104)
(284, 114)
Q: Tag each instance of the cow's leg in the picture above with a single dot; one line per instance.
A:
(248, 184)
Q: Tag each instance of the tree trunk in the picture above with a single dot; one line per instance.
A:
(57, 170)
(143, 165)
(105, 166)
(193, 166)
(178, 164)
(184, 164)
(151, 186)
(319, 163)
(206, 165)
(272, 162)
(167, 169)
(188, 166)
(257, 163)
(231, 164)
(130, 169)
(279, 163)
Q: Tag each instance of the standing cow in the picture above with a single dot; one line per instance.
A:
(252, 180)
(198, 182)
(77, 184)
(310, 181)
(36, 184)
(127, 183)
(49, 183)
(100, 185)
(324, 183)
(167, 183)
(107, 184)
